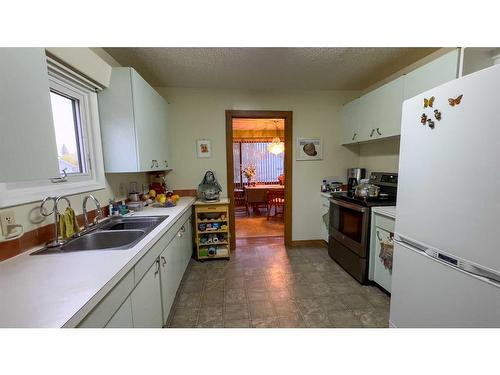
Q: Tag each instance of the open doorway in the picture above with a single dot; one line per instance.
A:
(259, 174)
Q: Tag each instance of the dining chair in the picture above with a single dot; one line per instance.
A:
(240, 201)
(276, 198)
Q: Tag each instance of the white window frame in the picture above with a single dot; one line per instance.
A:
(66, 81)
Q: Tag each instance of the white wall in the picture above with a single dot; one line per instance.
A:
(200, 113)
(380, 156)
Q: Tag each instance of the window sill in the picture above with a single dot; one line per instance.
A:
(20, 196)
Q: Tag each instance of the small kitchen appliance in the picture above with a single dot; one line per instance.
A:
(354, 176)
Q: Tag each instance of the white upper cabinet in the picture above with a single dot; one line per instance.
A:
(386, 110)
(435, 73)
(350, 116)
(377, 114)
(28, 141)
(134, 124)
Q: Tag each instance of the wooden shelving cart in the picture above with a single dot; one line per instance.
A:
(212, 236)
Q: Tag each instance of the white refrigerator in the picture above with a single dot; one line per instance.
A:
(446, 266)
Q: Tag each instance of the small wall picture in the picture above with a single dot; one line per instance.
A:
(204, 148)
(309, 149)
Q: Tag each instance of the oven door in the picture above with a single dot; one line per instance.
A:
(349, 224)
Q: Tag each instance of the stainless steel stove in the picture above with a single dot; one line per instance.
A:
(349, 231)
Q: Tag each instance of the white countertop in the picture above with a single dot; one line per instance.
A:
(389, 211)
(50, 290)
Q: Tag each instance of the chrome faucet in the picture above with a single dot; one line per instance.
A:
(99, 211)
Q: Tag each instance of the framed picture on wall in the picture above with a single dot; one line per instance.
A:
(309, 149)
(204, 148)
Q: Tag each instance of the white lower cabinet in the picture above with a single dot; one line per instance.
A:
(168, 276)
(148, 304)
(146, 300)
(123, 317)
(380, 266)
(173, 262)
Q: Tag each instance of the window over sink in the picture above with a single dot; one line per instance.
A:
(69, 133)
(78, 155)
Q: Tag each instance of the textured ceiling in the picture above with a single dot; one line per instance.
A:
(267, 68)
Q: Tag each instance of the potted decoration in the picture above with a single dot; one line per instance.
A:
(249, 172)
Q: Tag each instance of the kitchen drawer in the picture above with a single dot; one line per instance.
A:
(143, 265)
(214, 208)
(384, 222)
(104, 311)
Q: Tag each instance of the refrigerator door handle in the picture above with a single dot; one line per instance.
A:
(465, 265)
(410, 242)
(484, 273)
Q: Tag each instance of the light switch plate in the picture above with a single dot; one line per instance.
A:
(7, 218)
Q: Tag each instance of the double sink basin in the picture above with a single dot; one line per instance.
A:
(112, 234)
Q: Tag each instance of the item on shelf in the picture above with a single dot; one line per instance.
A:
(204, 239)
(203, 253)
(222, 251)
(223, 227)
(222, 217)
(202, 227)
(212, 251)
(209, 189)
(220, 237)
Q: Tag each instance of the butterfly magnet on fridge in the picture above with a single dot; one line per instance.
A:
(429, 102)
(456, 101)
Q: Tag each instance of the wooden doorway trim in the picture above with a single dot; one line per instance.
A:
(288, 117)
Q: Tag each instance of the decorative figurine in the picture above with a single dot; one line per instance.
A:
(423, 119)
(456, 101)
(437, 115)
(209, 189)
(431, 123)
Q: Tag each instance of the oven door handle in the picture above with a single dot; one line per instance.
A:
(350, 206)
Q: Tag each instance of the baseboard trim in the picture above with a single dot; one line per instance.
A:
(321, 243)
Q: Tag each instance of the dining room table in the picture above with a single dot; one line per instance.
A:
(256, 195)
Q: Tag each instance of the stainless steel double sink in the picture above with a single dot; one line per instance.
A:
(112, 234)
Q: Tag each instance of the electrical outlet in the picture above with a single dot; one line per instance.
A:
(7, 218)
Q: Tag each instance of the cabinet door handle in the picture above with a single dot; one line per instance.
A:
(157, 267)
(354, 136)
(378, 131)
(371, 134)
(163, 261)
(179, 234)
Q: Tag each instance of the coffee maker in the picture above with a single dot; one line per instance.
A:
(354, 177)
